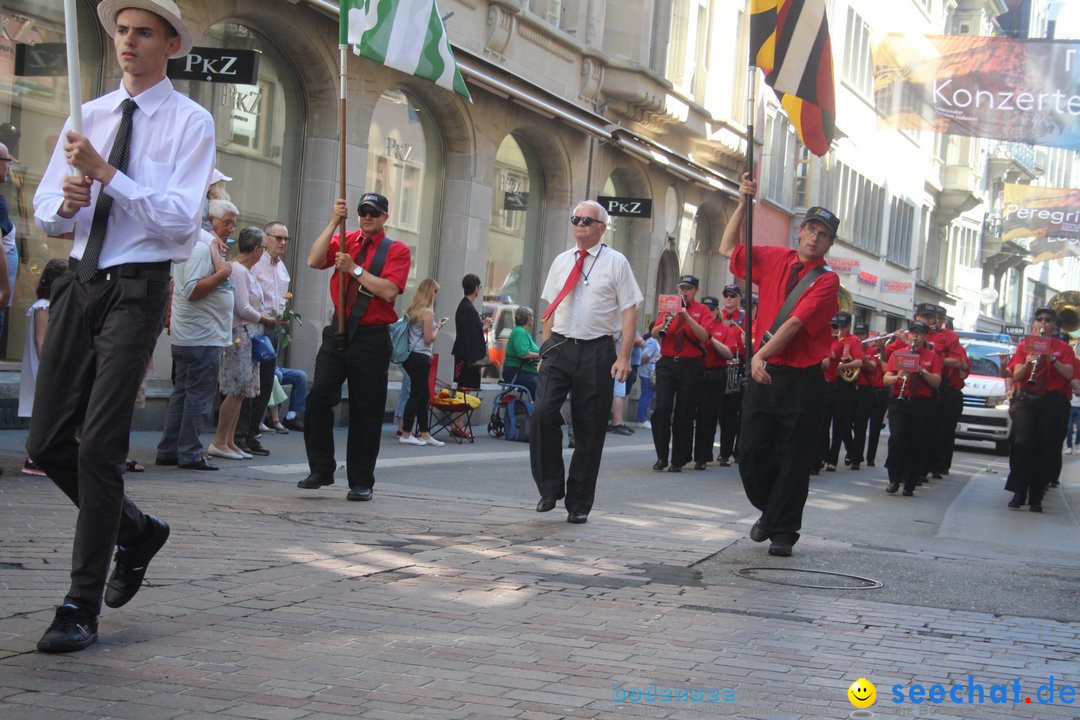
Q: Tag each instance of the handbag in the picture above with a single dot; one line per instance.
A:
(262, 349)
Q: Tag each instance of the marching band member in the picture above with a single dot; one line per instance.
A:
(732, 315)
(950, 394)
(910, 407)
(848, 354)
(864, 399)
(723, 339)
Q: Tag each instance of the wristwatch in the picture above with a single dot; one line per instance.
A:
(357, 272)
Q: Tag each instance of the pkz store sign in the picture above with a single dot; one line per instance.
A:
(626, 206)
(216, 65)
(202, 63)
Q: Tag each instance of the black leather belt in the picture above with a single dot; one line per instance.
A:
(127, 270)
(576, 341)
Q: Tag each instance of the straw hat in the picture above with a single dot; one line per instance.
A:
(167, 10)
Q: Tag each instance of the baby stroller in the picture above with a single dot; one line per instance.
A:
(510, 413)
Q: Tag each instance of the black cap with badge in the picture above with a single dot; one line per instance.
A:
(375, 200)
(926, 309)
(690, 280)
(710, 302)
(825, 217)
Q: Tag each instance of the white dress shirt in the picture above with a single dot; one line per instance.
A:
(157, 203)
(274, 279)
(594, 307)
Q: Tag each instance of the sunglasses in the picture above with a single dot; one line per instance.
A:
(1044, 318)
(369, 212)
(730, 295)
(580, 220)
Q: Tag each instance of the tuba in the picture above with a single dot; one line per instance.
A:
(846, 304)
(1067, 306)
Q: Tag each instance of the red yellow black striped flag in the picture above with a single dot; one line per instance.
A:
(789, 40)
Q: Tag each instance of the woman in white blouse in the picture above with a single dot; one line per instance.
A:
(239, 376)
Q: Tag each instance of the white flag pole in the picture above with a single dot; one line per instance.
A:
(71, 33)
(344, 50)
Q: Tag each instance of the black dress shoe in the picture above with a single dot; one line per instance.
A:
(908, 492)
(361, 494)
(674, 468)
(757, 532)
(131, 564)
(1017, 501)
(780, 548)
(256, 448)
(72, 629)
(870, 464)
(577, 518)
(936, 476)
(659, 465)
(314, 482)
(893, 487)
(854, 466)
(546, 504)
(165, 461)
(1036, 507)
(200, 464)
(700, 465)
(725, 462)
(294, 424)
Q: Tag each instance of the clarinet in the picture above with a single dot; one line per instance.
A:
(1034, 369)
(904, 381)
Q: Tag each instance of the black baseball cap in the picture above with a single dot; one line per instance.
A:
(843, 319)
(1045, 310)
(375, 200)
(710, 302)
(861, 329)
(919, 326)
(732, 290)
(926, 309)
(825, 217)
(690, 280)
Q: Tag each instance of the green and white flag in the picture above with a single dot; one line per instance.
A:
(407, 35)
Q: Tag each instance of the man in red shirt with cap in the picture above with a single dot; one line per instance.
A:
(781, 411)
(376, 269)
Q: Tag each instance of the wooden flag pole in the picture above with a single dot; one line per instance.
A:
(749, 242)
(344, 49)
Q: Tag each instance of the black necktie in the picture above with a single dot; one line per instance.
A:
(792, 278)
(118, 158)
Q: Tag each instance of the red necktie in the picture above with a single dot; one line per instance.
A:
(792, 278)
(571, 282)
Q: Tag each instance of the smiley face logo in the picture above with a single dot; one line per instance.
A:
(862, 693)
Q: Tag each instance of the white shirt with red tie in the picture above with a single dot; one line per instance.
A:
(594, 307)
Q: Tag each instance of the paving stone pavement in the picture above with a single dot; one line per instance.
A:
(277, 604)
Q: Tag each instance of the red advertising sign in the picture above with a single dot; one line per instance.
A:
(908, 362)
(845, 266)
(868, 278)
(897, 286)
(670, 303)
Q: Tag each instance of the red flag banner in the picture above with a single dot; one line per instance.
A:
(1048, 215)
(789, 41)
(990, 87)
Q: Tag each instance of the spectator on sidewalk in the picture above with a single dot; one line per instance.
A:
(650, 353)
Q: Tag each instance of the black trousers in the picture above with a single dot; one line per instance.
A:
(910, 430)
(843, 415)
(253, 410)
(710, 396)
(1039, 427)
(778, 445)
(364, 363)
(827, 410)
(878, 405)
(949, 408)
(416, 416)
(100, 338)
(864, 408)
(677, 383)
(730, 410)
(582, 370)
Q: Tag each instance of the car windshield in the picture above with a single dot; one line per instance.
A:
(988, 359)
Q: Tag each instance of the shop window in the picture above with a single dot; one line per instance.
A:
(33, 108)
(514, 228)
(405, 165)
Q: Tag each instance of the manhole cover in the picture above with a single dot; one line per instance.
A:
(815, 579)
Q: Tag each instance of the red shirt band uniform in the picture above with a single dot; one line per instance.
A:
(783, 401)
(911, 407)
(362, 249)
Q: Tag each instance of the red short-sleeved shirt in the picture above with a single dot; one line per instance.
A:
(844, 349)
(362, 250)
(931, 360)
(724, 334)
(814, 309)
(680, 340)
(947, 343)
(1055, 381)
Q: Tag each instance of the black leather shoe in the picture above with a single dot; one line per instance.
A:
(72, 629)
(659, 465)
(1036, 507)
(908, 492)
(577, 518)
(294, 424)
(674, 468)
(131, 564)
(200, 464)
(780, 548)
(361, 494)
(700, 465)
(854, 466)
(870, 464)
(757, 532)
(1017, 501)
(314, 482)
(893, 487)
(256, 448)
(546, 504)
(165, 461)
(936, 476)
(725, 462)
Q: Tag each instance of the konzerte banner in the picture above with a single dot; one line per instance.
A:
(1050, 215)
(990, 87)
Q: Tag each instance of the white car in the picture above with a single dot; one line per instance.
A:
(985, 416)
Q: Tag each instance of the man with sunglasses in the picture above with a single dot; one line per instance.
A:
(376, 269)
(1041, 410)
(592, 296)
(733, 315)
